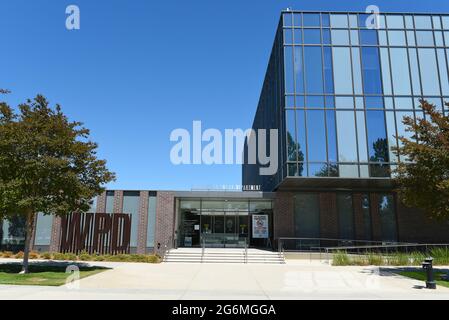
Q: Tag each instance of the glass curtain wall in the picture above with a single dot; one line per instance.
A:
(348, 87)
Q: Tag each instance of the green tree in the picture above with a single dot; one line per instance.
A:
(423, 177)
(47, 164)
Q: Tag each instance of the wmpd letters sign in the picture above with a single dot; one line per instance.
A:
(260, 226)
(100, 233)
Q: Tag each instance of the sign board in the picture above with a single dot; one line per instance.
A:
(260, 226)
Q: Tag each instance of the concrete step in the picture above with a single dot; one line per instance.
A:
(222, 255)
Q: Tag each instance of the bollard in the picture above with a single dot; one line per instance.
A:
(427, 265)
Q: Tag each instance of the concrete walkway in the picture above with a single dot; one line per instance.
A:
(294, 280)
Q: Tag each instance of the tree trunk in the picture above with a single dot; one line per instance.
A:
(29, 234)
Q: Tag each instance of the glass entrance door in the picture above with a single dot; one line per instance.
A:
(224, 230)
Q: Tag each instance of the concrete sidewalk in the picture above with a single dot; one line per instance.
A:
(294, 280)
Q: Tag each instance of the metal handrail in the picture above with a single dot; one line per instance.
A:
(246, 250)
(283, 240)
(167, 246)
(203, 248)
(328, 250)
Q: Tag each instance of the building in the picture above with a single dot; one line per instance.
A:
(337, 91)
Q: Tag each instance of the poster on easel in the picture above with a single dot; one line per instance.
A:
(260, 226)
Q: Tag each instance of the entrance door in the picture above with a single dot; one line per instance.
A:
(226, 230)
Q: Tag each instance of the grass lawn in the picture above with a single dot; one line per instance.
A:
(42, 274)
(421, 275)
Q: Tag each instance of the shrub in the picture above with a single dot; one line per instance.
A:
(341, 258)
(19, 255)
(34, 255)
(59, 256)
(399, 259)
(375, 259)
(440, 256)
(7, 254)
(46, 255)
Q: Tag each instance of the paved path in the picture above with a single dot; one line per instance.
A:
(294, 280)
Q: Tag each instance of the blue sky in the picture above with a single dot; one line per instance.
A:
(139, 69)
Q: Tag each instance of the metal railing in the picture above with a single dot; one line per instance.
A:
(385, 250)
(290, 244)
(167, 246)
(203, 248)
(246, 251)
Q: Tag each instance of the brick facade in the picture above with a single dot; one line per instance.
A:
(328, 215)
(283, 219)
(165, 219)
(143, 223)
(55, 238)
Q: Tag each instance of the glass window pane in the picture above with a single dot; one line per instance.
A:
(301, 132)
(299, 72)
(411, 38)
(400, 71)
(372, 83)
(414, 72)
(423, 22)
(446, 38)
(368, 37)
(409, 22)
(383, 38)
(377, 139)
(307, 215)
(348, 170)
(297, 19)
(297, 33)
(330, 102)
(290, 101)
(443, 72)
(287, 19)
(288, 36)
(388, 218)
(357, 70)
(382, 22)
(340, 37)
(131, 202)
(436, 22)
(339, 21)
(326, 36)
(354, 37)
(385, 62)
(424, 38)
(344, 102)
(439, 39)
(345, 216)
(359, 103)
(314, 101)
(396, 38)
(429, 72)
(395, 22)
(325, 20)
(346, 137)
(151, 226)
(374, 102)
(314, 69)
(291, 135)
(389, 103)
(361, 136)
(316, 136)
(331, 136)
(312, 36)
(43, 230)
(366, 212)
(342, 70)
(445, 22)
(311, 20)
(391, 133)
(328, 70)
(353, 21)
(403, 103)
(288, 65)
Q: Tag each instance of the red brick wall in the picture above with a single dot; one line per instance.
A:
(415, 226)
(328, 215)
(283, 215)
(143, 222)
(165, 209)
